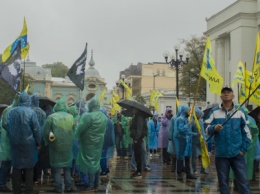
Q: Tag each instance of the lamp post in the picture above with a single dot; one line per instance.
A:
(154, 75)
(175, 62)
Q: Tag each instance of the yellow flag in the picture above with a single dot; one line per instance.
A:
(151, 97)
(22, 38)
(249, 86)
(128, 90)
(177, 102)
(209, 72)
(155, 100)
(256, 64)
(115, 96)
(242, 94)
(204, 150)
(101, 97)
(239, 76)
(27, 88)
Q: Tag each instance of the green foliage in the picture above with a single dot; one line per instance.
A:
(58, 69)
(139, 98)
(190, 72)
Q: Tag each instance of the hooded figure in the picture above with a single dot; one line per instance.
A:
(5, 152)
(182, 127)
(153, 129)
(35, 106)
(90, 132)
(24, 133)
(61, 124)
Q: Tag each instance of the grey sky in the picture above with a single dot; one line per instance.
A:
(120, 32)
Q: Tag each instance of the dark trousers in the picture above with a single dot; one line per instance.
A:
(120, 146)
(137, 147)
(166, 156)
(180, 166)
(16, 180)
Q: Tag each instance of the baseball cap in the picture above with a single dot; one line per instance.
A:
(226, 88)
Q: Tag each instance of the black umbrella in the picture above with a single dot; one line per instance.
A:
(44, 101)
(129, 105)
(255, 112)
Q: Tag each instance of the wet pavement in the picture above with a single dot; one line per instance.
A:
(159, 180)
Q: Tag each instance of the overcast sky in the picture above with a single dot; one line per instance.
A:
(120, 32)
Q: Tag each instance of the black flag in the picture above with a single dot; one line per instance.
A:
(11, 71)
(77, 71)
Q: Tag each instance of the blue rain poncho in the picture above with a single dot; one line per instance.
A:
(90, 132)
(5, 151)
(24, 134)
(153, 129)
(109, 138)
(61, 125)
(35, 106)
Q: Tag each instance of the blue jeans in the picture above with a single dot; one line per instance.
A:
(143, 156)
(120, 146)
(237, 163)
(93, 180)
(4, 172)
(67, 178)
(103, 164)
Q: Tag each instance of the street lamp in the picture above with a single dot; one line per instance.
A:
(175, 62)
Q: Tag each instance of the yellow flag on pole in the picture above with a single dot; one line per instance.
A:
(128, 90)
(256, 64)
(177, 102)
(209, 72)
(22, 38)
(204, 150)
(240, 75)
(101, 97)
(27, 88)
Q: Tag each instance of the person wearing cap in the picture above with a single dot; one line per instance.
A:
(232, 141)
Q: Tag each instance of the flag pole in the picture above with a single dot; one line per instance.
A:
(234, 112)
(23, 73)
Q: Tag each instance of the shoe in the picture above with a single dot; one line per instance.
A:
(137, 175)
(179, 177)
(151, 155)
(80, 184)
(103, 174)
(89, 189)
(134, 169)
(191, 176)
(108, 171)
(196, 174)
(147, 168)
(53, 191)
(157, 155)
(69, 190)
(5, 189)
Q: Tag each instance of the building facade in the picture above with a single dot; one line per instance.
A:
(232, 32)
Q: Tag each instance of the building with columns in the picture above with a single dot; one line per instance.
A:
(232, 32)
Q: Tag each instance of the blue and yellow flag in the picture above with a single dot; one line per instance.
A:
(240, 75)
(209, 72)
(24, 44)
(256, 64)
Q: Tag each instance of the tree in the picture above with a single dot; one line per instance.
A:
(58, 69)
(190, 72)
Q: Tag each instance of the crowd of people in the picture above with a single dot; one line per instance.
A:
(78, 141)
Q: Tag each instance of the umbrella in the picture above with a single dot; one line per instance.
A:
(254, 113)
(44, 101)
(2, 107)
(129, 105)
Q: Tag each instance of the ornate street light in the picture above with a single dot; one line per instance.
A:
(175, 62)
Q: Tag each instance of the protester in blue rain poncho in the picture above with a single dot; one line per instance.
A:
(108, 145)
(153, 129)
(196, 146)
(61, 125)
(183, 132)
(24, 133)
(5, 153)
(90, 132)
(41, 116)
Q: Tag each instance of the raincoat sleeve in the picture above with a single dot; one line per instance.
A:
(170, 132)
(84, 124)
(246, 136)
(182, 126)
(47, 128)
